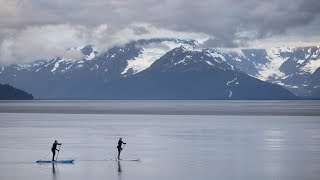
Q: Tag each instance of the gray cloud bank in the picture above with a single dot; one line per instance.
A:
(39, 28)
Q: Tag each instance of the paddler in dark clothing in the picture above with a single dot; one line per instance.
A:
(120, 142)
(54, 149)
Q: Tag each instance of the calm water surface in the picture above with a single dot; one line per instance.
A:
(205, 144)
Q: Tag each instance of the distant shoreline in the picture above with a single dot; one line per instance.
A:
(166, 107)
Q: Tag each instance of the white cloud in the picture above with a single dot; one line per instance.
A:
(129, 34)
(285, 41)
(73, 54)
(39, 42)
(42, 28)
(49, 41)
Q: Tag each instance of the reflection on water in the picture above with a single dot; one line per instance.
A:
(119, 171)
(54, 175)
(312, 139)
(119, 168)
(274, 140)
(275, 147)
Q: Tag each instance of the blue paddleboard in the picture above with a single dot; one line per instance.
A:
(58, 161)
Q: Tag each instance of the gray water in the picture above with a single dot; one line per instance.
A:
(174, 139)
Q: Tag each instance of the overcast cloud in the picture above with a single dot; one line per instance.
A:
(35, 29)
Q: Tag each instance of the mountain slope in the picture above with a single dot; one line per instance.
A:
(314, 84)
(8, 92)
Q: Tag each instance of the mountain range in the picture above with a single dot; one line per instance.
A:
(172, 69)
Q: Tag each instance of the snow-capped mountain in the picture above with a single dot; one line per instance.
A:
(189, 74)
(102, 75)
(63, 74)
(291, 68)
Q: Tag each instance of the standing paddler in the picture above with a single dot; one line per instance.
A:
(119, 147)
(54, 148)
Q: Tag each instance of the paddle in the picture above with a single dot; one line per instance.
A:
(58, 152)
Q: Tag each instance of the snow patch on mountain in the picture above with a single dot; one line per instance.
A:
(188, 57)
(237, 59)
(94, 67)
(316, 54)
(230, 94)
(229, 82)
(24, 66)
(272, 68)
(288, 86)
(56, 65)
(210, 63)
(311, 66)
(68, 65)
(215, 54)
(179, 62)
(148, 56)
(90, 56)
(150, 53)
(301, 61)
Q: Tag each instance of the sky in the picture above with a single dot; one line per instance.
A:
(37, 29)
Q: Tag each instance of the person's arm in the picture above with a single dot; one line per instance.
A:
(58, 144)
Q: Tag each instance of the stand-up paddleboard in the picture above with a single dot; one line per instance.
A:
(66, 161)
